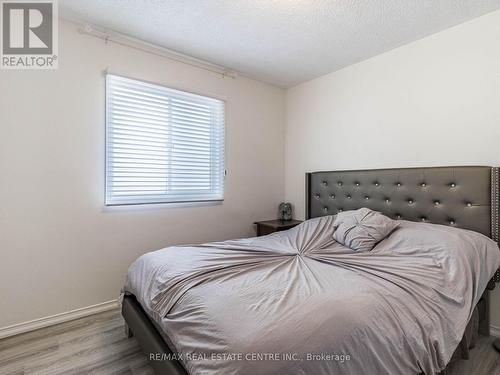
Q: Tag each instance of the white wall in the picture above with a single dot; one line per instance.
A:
(432, 102)
(60, 249)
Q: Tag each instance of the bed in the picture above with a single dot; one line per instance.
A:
(297, 302)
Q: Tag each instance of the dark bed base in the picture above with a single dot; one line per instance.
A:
(483, 307)
(152, 344)
(140, 326)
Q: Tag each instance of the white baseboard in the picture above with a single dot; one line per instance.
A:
(56, 319)
(494, 331)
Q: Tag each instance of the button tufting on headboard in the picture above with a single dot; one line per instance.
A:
(456, 196)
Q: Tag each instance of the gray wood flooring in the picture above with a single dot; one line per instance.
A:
(97, 345)
(91, 345)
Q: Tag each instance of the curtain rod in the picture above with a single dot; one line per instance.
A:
(140, 45)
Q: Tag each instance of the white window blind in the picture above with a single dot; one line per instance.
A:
(162, 145)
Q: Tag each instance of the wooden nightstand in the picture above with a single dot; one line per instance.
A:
(271, 226)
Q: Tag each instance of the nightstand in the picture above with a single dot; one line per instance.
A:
(271, 226)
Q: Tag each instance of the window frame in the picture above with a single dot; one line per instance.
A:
(164, 202)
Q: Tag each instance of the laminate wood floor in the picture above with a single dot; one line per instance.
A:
(91, 345)
(97, 345)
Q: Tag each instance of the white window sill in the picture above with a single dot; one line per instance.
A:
(159, 206)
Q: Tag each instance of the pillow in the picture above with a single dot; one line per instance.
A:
(362, 229)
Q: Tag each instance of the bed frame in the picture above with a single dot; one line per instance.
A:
(463, 197)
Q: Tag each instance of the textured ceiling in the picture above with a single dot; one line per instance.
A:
(283, 42)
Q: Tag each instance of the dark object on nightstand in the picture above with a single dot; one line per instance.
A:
(271, 226)
(496, 344)
(285, 211)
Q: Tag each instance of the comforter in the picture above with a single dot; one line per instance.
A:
(297, 302)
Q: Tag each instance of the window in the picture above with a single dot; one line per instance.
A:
(162, 145)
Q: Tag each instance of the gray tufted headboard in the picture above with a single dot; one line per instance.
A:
(463, 197)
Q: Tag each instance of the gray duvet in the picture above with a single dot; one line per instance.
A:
(297, 302)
